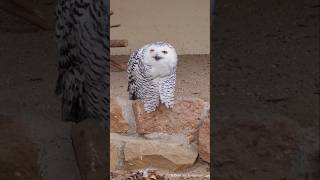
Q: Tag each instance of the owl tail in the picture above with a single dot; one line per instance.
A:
(70, 86)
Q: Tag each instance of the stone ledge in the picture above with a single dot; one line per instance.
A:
(165, 152)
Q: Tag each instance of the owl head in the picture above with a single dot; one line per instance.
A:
(160, 53)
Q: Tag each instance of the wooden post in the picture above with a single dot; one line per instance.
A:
(118, 43)
(116, 25)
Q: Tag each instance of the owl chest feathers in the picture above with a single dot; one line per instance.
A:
(160, 71)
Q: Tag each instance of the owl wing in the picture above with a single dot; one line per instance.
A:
(132, 82)
(70, 81)
(66, 37)
(82, 36)
(167, 89)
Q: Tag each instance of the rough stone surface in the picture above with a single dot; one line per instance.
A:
(18, 155)
(184, 118)
(253, 144)
(167, 152)
(117, 122)
(113, 156)
(90, 145)
(116, 155)
(204, 140)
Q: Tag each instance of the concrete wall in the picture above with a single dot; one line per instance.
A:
(183, 23)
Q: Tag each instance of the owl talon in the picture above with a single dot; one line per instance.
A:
(169, 106)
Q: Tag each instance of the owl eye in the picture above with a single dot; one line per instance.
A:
(151, 50)
(165, 52)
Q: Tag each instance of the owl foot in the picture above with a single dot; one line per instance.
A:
(169, 105)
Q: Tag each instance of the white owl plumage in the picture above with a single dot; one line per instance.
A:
(152, 75)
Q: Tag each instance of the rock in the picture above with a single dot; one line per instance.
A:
(90, 145)
(18, 155)
(116, 155)
(117, 122)
(121, 115)
(160, 151)
(184, 118)
(253, 144)
(204, 140)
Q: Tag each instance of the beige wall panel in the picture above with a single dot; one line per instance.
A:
(183, 23)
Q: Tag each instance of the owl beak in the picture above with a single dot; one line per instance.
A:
(157, 58)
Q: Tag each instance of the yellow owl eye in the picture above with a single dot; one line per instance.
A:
(165, 52)
(151, 50)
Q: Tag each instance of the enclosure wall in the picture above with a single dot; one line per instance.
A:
(183, 23)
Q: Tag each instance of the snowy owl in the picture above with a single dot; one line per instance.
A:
(152, 75)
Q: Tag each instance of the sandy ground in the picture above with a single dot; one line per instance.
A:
(193, 77)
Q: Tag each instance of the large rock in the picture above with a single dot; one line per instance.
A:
(117, 122)
(204, 140)
(121, 115)
(185, 118)
(156, 150)
(90, 145)
(18, 155)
